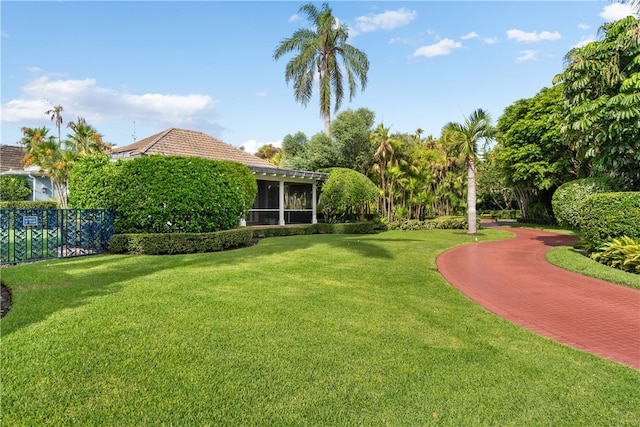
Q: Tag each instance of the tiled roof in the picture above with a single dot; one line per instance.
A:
(11, 158)
(181, 142)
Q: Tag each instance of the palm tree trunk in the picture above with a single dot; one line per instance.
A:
(327, 122)
(471, 195)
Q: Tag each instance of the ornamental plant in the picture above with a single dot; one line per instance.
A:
(623, 253)
(346, 193)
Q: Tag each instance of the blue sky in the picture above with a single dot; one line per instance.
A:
(208, 66)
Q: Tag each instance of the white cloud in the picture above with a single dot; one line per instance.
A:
(490, 40)
(584, 41)
(261, 94)
(583, 26)
(385, 21)
(102, 104)
(471, 35)
(527, 55)
(443, 47)
(252, 146)
(532, 37)
(402, 40)
(4, 34)
(295, 18)
(616, 11)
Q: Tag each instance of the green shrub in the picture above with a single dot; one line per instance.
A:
(179, 243)
(319, 228)
(165, 194)
(438, 223)
(24, 204)
(346, 194)
(623, 254)
(607, 216)
(185, 243)
(14, 188)
(567, 198)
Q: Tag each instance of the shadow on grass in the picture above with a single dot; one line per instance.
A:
(43, 288)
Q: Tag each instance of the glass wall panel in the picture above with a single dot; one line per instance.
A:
(268, 194)
(297, 196)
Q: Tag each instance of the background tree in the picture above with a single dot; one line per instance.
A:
(44, 151)
(351, 131)
(85, 139)
(466, 137)
(270, 153)
(319, 50)
(531, 152)
(602, 94)
(383, 155)
(56, 116)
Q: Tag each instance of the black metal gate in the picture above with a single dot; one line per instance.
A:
(37, 234)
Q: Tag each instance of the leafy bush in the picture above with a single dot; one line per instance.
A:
(185, 243)
(607, 216)
(14, 188)
(438, 223)
(48, 204)
(179, 243)
(320, 228)
(567, 198)
(501, 214)
(346, 194)
(165, 194)
(623, 254)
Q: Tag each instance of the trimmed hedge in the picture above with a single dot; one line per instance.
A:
(25, 204)
(185, 243)
(179, 243)
(567, 198)
(607, 216)
(165, 194)
(438, 223)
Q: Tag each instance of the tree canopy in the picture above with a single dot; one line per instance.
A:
(602, 95)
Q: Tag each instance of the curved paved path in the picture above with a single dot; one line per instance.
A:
(513, 279)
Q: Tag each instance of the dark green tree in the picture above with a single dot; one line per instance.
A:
(530, 150)
(351, 131)
(602, 95)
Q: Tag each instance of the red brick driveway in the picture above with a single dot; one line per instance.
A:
(512, 279)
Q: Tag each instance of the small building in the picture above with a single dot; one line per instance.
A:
(284, 196)
(11, 156)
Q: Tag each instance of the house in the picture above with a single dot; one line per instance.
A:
(284, 196)
(11, 164)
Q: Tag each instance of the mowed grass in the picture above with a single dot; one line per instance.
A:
(308, 330)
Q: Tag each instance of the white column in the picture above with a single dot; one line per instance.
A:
(281, 204)
(314, 216)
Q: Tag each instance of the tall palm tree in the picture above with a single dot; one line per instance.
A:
(466, 137)
(319, 50)
(383, 153)
(55, 115)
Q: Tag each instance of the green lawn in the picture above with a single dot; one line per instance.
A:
(308, 330)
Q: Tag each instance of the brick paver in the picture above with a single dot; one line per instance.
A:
(512, 278)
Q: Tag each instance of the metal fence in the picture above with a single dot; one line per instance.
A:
(37, 234)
